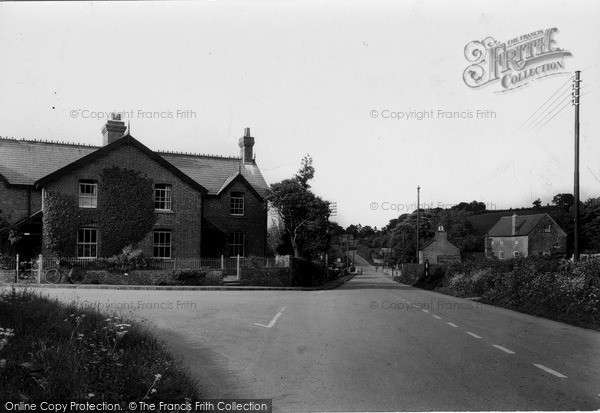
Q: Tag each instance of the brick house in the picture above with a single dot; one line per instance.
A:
(439, 250)
(523, 235)
(205, 206)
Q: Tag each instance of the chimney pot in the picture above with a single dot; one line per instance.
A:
(246, 143)
(113, 130)
(514, 223)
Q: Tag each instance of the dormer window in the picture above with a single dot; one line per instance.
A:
(237, 204)
(162, 197)
(88, 194)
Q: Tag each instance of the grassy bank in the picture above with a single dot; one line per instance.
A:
(556, 289)
(53, 351)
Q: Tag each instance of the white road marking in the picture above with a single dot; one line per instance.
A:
(425, 311)
(437, 316)
(546, 369)
(274, 320)
(473, 334)
(453, 325)
(504, 349)
(321, 292)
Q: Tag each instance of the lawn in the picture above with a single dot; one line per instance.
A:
(58, 352)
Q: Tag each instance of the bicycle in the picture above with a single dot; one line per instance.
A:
(73, 276)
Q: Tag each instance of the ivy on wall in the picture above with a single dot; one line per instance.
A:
(62, 217)
(126, 208)
(125, 214)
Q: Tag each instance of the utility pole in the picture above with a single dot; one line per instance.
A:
(418, 208)
(576, 82)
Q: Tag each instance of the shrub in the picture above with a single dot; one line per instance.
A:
(305, 273)
(272, 277)
(129, 259)
(556, 289)
(189, 277)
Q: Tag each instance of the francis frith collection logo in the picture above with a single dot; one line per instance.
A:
(515, 62)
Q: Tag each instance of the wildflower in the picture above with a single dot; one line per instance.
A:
(158, 376)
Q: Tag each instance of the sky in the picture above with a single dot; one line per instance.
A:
(372, 90)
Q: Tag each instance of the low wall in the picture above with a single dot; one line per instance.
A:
(139, 277)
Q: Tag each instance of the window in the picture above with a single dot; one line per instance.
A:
(516, 254)
(162, 244)
(237, 203)
(162, 197)
(501, 255)
(87, 243)
(548, 228)
(236, 244)
(516, 242)
(88, 194)
(501, 242)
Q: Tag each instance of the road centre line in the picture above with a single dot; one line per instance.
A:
(451, 324)
(274, 320)
(437, 316)
(503, 349)
(425, 311)
(547, 370)
(473, 334)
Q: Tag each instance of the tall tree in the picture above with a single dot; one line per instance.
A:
(564, 200)
(305, 216)
(306, 171)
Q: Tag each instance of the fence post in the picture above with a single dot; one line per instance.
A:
(17, 272)
(40, 263)
(238, 267)
(222, 262)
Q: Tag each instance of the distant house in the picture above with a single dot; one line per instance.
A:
(439, 250)
(524, 235)
(205, 206)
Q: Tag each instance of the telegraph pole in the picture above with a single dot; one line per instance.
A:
(576, 82)
(418, 207)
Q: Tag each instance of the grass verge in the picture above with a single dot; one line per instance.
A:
(50, 351)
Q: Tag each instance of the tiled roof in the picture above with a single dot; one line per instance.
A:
(213, 172)
(524, 225)
(23, 162)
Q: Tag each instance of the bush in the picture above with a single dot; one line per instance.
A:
(129, 259)
(269, 277)
(556, 289)
(196, 277)
(306, 273)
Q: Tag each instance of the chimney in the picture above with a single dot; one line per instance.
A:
(514, 223)
(113, 130)
(246, 143)
(440, 234)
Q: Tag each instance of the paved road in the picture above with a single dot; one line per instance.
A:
(371, 344)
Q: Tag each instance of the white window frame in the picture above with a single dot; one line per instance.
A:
(237, 204)
(501, 255)
(90, 242)
(235, 244)
(516, 254)
(162, 246)
(88, 199)
(163, 200)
